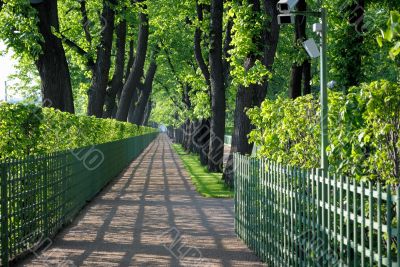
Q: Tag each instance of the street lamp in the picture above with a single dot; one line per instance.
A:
(287, 10)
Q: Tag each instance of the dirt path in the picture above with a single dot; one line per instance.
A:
(150, 216)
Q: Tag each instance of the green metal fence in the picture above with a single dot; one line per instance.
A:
(295, 217)
(40, 194)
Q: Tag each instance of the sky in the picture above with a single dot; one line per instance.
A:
(6, 68)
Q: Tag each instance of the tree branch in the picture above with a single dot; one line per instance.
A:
(74, 46)
(197, 46)
(85, 21)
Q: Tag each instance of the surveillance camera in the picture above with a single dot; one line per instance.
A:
(286, 19)
(285, 6)
(317, 27)
(311, 48)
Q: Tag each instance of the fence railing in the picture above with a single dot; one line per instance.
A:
(294, 217)
(40, 194)
(228, 139)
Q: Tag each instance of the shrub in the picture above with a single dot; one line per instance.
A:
(364, 128)
(27, 130)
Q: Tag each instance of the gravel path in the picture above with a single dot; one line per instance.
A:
(150, 216)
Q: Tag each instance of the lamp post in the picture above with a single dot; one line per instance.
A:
(287, 17)
(324, 92)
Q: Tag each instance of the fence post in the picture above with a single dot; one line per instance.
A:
(4, 215)
(46, 162)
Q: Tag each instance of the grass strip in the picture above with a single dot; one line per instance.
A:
(207, 184)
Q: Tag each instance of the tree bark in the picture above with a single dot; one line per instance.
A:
(52, 63)
(306, 77)
(131, 59)
(201, 137)
(216, 150)
(297, 67)
(117, 81)
(147, 87)
(149, 108)
(227, 47)
(295, 81)
(98, 88)
(137, 69)
(255, 94)
(132, 105)
(352, 55)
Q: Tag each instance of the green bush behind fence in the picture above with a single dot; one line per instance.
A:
(31, 130)
(42, 193)
(363, 129)
(296, 217)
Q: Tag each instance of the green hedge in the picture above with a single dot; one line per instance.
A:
(364, 131)
(27, 130)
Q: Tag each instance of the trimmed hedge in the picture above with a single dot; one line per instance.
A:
(28, 129)
(364, 131)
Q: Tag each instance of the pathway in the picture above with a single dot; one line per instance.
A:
(150, 216)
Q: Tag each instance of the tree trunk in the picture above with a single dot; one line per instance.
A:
(146, 89)
(98, 88)
(297, 67)
(131, 59)
(149, 108)
(201, 140)
(117, 80)
(137, 69)
(197, 46)
(132, 105)
(52, 64)
(227, 47)
(194, 142)
(188, 135)
(295, 81)
(354, 39)
(216, 151)
(306, 77)
(253, 96)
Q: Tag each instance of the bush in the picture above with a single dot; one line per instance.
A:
(27, 130)
(364, 128)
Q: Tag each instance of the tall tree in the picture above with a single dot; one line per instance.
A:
(147, 115)
(146, 88)
(253, 94)
(101, 68)
(118, 76)
(301, 71)
(218, 104)
(51, 62)
(353, 53)
(137, 69)
(202, 131)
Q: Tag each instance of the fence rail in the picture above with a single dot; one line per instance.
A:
(40, 194)
(294, 217)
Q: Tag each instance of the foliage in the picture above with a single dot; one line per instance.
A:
(27, 130)
(247, 25)
(207, 184)
(18, 21)
(392, 34)
(364, 129)
(286, 129)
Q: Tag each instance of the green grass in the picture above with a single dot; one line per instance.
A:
(206, 183)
